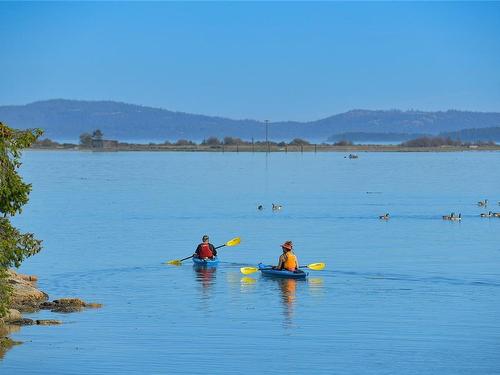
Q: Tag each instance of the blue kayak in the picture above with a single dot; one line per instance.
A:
(266, 270)
(206, 262)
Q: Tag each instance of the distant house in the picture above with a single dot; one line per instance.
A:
(97, 140)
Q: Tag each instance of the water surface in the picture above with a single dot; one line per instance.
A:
(413, 295)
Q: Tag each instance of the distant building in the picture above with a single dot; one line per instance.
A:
(109, 143)
(97, 141)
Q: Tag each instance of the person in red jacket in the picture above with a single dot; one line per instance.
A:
(205, 250)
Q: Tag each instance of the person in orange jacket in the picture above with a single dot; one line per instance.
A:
(288, 260)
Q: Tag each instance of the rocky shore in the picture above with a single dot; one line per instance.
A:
(27, 298)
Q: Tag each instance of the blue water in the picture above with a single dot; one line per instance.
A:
(414, 295)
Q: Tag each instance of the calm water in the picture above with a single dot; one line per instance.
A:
(414, 295)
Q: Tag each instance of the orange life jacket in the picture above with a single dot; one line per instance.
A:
(290, 263)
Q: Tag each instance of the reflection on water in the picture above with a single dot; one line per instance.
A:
(288, 288)
(9, 329)
(246, 280)
(443, 279)
(288, 291)
(315, 286)
(6, 329)
(206, 277)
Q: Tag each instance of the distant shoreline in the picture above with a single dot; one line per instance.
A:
(263, 148)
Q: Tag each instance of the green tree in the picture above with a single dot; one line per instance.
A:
(14, 194)
(299, 142)
(231, 141)
(211, 141)
(46, 143)
(86, 140)
(184, 142)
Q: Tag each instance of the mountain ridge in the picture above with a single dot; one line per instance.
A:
(67, 119)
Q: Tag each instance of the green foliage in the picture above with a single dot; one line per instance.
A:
(211, 141)
(14, 194)
(233, 141)
(184, 142)
(431, 142)
(15, 246)
(299, 142)
(5, 292)
(46, 143)
(86, 140)
(343, 142)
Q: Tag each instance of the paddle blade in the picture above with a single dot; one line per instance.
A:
(233, 242)
(248, 270)
(316, 266)
(175, 262)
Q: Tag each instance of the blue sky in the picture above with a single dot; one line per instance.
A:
(277, 61)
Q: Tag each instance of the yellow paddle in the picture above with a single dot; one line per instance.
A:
(312, 266)
(233, 242)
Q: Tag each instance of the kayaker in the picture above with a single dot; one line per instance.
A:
(205, 249)
(288, 260)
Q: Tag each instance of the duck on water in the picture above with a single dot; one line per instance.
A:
(483, 203)
(453, 217)
(490, 214)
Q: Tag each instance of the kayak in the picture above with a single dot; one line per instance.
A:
(206, 262)
(265, 269)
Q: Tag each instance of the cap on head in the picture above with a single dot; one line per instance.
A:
(204, 238)
(288, 245)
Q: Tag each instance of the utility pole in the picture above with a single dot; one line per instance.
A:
(267, 132)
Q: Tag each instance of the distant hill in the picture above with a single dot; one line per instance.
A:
(474, 135)
(67, 119)
(416, 122)
(374, 137)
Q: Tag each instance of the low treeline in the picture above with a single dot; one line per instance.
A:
(234, 141)
(97, 141)
(86, 141)
(475, 134)
(442, 141)
(374, 137)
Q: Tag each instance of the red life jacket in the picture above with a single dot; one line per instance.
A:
(205, 251)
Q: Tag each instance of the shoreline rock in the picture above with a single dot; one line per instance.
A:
(67, 305)
(12, 315)
(47, 322)
(27, 298)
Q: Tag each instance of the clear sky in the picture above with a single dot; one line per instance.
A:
(277, 61)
